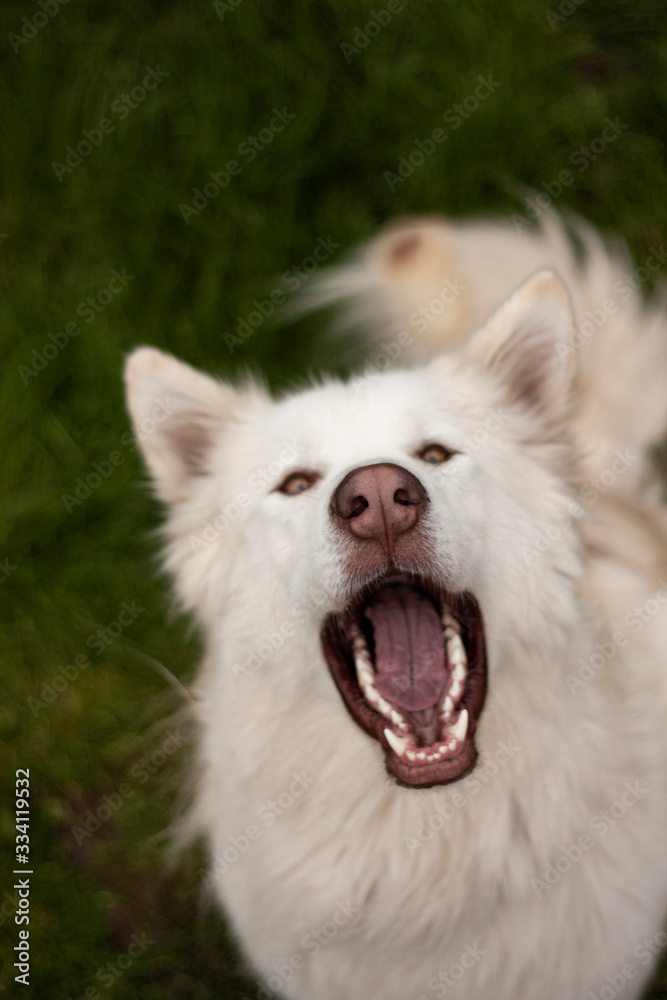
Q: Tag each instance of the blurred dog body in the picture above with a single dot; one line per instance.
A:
(432, 740)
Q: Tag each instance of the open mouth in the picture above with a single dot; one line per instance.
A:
(409, 661)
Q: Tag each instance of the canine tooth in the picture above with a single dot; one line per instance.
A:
(459, 730)
(397, 743)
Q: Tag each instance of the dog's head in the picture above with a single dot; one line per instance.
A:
(373, 542)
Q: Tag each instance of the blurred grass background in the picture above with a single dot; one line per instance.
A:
(66, 574)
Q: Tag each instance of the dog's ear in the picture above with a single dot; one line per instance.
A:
(525, 346)
(178, 416)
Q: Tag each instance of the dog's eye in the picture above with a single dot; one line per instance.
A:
(435, 454)
(298, 482)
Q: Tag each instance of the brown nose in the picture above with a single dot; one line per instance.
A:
(379, 502)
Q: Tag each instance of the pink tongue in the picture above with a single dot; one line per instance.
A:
(409, 648)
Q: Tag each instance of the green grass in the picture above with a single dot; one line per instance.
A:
(323, 176)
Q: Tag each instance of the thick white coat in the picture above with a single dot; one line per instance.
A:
(337, 882)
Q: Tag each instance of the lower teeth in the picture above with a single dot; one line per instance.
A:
(456, 735)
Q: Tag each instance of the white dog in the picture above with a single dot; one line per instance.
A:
(433, 730)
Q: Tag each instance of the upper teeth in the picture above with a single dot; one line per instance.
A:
(366, 681)
(455, 690)
(459, 672)
(456, 649)
(365, 672)
(458, 662)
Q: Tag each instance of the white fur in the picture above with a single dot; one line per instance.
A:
(349, 838)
